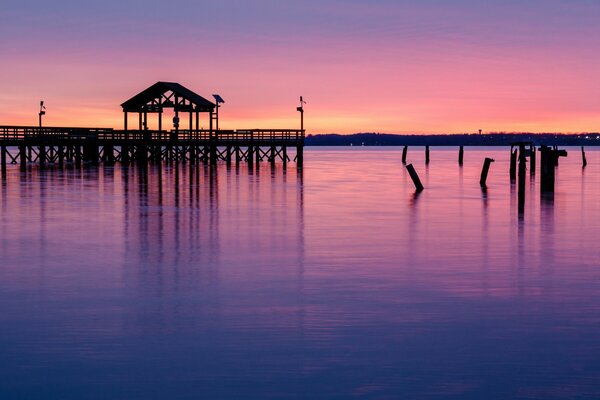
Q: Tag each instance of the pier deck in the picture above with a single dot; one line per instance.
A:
(94, 145)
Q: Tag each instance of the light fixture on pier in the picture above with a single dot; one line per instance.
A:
(42, 111)
(219, 100)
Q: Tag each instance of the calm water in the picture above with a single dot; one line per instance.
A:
(123, 283)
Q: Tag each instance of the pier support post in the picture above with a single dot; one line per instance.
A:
(583, 159)
(532, 156)
(272, 155)
(42, 157)
(415, 177)
(125, 154)
(228, 155)
(250, 155)
(213, 154)
(404, 151)
(23, 157)
(299, 156)
(461, 153)
(427, 154)
(484, 171)
(285, 157)
(3, 160)
(61, 156)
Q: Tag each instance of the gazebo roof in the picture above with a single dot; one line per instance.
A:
(155, 92)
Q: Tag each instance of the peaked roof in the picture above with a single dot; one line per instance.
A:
(158, 89)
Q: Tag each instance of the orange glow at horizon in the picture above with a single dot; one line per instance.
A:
(389, 68)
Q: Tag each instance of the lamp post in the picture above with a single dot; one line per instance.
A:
(301, 110)
(42, 112)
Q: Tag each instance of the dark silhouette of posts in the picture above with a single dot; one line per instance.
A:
(513, 163)
(583, 159)
(484, 171)
(532, 156)
(461, 153)
(3, 160)
(426, 154)
(549, 161)
(23, 157)
(404, 151)
(415, 177)
(522, 173)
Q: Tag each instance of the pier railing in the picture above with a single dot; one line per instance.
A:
(258, 136)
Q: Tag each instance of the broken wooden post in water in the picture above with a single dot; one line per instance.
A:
(513, 163)
(404, 151)
(549, 157)
(427, 154)
(485, 170)
(461, 152)
(532, 157)
(522, 173)
(414, 177)
(583, 159)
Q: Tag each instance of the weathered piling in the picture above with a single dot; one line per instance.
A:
(427, 154)
(23, 157)
(415, 177)
(42, 156)
(404, 151)
(549, 161)
(461, 153)
(513, 164)
(583, 159)
(484, 171)
(532, 157)
(522, 173)
(3, 160)
(61, 156)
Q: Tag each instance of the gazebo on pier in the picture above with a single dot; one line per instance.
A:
(163, 95)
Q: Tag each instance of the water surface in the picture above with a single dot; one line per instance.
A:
(337, 282)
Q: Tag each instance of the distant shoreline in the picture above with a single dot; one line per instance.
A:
(487, 139)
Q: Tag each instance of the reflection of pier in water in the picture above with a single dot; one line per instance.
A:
(193, 228)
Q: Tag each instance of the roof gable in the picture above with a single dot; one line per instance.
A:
(156, 91)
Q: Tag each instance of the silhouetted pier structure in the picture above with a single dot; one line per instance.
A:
(60, 145)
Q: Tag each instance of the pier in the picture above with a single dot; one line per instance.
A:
(59, 145)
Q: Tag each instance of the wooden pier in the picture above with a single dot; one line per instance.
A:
(23, 145)
(59, 145)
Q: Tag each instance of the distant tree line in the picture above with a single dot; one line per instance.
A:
(467, 139)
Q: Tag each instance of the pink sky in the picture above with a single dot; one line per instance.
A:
(396, 67)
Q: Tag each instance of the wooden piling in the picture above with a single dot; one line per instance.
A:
(42, 157)
(583, 159)
(404, 151)
(61, 156)
(300, 155)
(522, 173)
(426, 154)
(484, 171)
(3, 160)
(513, 164)
(532, 156)
(461, 153)
(415, 177)
(23, 157)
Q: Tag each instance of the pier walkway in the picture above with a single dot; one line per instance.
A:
(58, 145)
